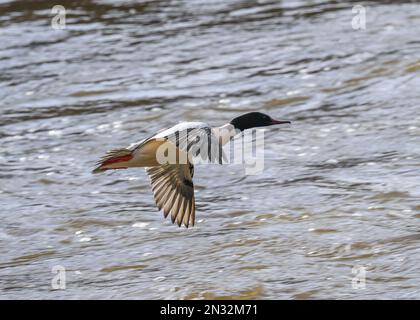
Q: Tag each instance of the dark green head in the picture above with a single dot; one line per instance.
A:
(253, 120)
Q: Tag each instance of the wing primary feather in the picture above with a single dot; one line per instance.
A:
(173, 191)
(161, 198)
(182, 211)
(169, 203)
(186, 217)
(193, 212)
(175, 208)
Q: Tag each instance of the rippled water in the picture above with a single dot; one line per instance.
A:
(340, 187)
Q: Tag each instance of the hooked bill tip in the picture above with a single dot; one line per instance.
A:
(273, 121)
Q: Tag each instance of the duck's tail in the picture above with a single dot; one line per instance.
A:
(114, 159)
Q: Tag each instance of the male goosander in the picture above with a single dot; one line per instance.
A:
(171, 181)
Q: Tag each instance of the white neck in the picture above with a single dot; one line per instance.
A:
(225, 133)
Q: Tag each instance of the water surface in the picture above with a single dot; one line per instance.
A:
(340, 187)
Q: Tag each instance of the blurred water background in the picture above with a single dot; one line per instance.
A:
(340, 187)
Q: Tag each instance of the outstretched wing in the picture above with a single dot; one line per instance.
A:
(173, 191)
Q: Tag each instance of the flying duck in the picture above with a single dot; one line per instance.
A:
(171, 180)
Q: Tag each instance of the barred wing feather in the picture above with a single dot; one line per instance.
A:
(173, 191)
